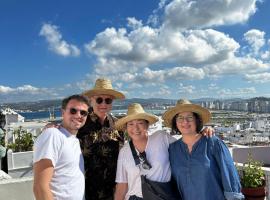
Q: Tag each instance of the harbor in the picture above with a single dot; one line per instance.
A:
(243, 133)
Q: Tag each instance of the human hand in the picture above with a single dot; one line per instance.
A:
(51, 125)
(208, 131)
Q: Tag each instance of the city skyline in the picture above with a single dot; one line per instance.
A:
(173, 49)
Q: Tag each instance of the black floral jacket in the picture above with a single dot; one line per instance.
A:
(100, 147)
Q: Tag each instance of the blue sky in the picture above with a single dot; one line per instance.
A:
(168, 49)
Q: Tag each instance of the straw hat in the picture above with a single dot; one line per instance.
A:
(184, 105)
(135, 111)
(104, 86)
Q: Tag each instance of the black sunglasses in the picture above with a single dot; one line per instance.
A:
(99, 100)
(74, 111)
(144, 162)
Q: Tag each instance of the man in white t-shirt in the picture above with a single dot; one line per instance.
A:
(58, 161)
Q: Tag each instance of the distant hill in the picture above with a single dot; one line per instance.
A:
(33, 106)
(118, 104)
(151, 102)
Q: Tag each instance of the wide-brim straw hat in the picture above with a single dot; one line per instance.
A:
(135, 111)
(104, 87)
(184, 105)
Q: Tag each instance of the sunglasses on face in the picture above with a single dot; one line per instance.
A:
(99, 100)
(144, 162)
(74, 111)
(181, 119)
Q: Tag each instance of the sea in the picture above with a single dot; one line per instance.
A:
(39, 115)
(29, 116)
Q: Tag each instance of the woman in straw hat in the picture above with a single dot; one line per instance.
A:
(152, 151)
(202, 167)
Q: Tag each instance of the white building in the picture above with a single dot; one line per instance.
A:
(10, 116)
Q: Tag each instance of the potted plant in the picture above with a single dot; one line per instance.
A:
(252, 179)
(20, 153)
(23, 141)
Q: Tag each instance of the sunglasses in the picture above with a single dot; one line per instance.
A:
(99, 100)
(74, 111)
(181, 119)
(144, 162)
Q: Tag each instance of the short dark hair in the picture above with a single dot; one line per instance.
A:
(198, 121)
(77, 97)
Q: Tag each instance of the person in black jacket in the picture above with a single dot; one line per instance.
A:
(100, 142)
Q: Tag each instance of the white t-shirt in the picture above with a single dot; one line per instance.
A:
(63, 149)
(157, 155)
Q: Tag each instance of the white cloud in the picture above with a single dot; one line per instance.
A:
(258, 78)
(158, 76)
(56, 43)
(28, 88)
(161, 91)
(171, 47)
(237, 92)
(20, 89)
(154, 18)
(134, 86)
(134, 23)
(28, 93)
(185, 89)
(5, 89)
(123, 51)
(190, 14)
(255, 38)
(236, 65)
(213, 86)
(174, 49)
(266, 55)
(110, 42)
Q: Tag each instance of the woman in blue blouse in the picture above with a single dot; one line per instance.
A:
(202, 166)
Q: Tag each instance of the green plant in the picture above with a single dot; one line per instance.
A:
(252, 175)
(23, 141)
(2, 137)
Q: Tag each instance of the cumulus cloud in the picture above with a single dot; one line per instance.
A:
(213, 86)
(266, 55)
(134, 23)
(171, 47)
(5, 89)
(56, 43)
(26, 93)
(236, 65)
(157, 76)
(183, 89)
(123, 51)
(162, 91)
(129, 50)
(20, 89)
(255, 38)
(258, 78)
(238, 92)
(190, 14)
(154, 18)
(110, 42)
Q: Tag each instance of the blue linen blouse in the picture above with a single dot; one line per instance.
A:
(207, 172)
